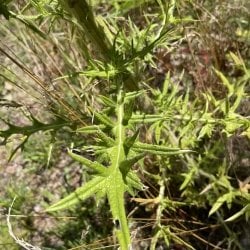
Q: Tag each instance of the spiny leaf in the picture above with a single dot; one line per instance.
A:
(106, 139)
(148, 48)
(103, 119)
(28, 130)
(157, 149)
(132, 95)
(82, 193)
(128, 110)
(97, 149)
(129, 142)
(126, 165)
(107, 101)
(206, 129)
(133, 181)
(220, 202)
(99, 168)
(189, 177)
(90, 129)
(145, 118)
(31, 129)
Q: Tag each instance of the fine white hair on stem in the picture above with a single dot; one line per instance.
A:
(21, 242)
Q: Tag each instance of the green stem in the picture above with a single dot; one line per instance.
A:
(117, 188)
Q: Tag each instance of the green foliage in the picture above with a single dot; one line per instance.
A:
(168, 134)
(115, 179)
(27, 131)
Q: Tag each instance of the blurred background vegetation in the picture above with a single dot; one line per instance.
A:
(193, 59)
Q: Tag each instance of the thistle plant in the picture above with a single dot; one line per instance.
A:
(105, 96)
(122, 152)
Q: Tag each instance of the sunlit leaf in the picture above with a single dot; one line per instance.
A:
(82, 193)
(240, 213)
(224, 198)
(226, 82)
(157, 149)
(99, 168)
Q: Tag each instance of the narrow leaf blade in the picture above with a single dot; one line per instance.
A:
(99, 168)
(80, 194)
